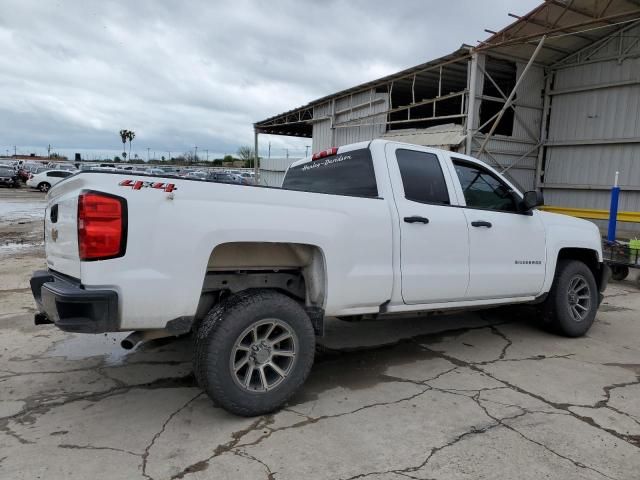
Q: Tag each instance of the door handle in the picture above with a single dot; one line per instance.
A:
(416, 219)
(481, 223)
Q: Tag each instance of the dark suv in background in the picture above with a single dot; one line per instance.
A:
(9, 177)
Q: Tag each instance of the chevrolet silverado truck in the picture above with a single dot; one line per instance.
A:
(374, 229)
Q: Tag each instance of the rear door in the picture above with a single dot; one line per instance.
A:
(507, 246)
(434, 243)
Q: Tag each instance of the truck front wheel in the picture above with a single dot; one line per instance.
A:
(571, 306)
(254, 351)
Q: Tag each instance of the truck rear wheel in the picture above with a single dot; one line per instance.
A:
(254, 351)
(571, 306)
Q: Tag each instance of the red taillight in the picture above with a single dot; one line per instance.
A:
(101, 226)
(325, 153)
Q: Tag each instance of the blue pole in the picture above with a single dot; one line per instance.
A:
(613, 211)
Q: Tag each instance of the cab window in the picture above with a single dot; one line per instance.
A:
(482, 189)
(422, 177)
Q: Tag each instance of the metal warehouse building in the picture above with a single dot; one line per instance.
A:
(553, 100)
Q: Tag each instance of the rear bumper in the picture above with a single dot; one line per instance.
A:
(65, 302)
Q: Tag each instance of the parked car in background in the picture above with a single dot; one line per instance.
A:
(196, 175)
(9, 177)
(62, 166)
(249, 178)
(43, 181)
(155, 171)
(223, 177)
(29, 169)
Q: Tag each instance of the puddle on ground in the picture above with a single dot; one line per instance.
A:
(82, 345)
(22, 211)
(605, 307)
(19, 247)
(359, 369)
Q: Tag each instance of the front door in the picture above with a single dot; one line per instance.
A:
(507, 246)
(434, 243)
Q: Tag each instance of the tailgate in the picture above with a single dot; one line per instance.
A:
(61, 229)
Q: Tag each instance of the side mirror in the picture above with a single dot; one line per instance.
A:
(532, 199)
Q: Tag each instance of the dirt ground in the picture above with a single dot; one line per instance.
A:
(479, 395)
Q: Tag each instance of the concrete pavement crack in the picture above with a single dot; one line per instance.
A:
(496, 331)
(270, 474)
(263, 423)
(260, 423)
(145, 454)
(632, 440)
(549, 449)
(35, 407)
(91, 447)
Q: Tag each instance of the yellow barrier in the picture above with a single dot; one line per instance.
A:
(633, 217)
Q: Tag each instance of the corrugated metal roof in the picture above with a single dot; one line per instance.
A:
(569, 26)
(461, 54)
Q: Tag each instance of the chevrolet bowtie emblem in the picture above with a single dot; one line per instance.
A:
(54, 234)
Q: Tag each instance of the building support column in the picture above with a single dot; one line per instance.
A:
(471, 104)
(256, 170)
(544, 130)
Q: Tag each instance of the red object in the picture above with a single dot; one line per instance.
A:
(325, 153)
(101, 226)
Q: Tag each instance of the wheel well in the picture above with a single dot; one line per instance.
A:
(584, 255)
(297, 270)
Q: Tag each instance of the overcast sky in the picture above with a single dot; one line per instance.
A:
(185, 73)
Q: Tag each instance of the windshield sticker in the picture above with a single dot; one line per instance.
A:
(327, 161)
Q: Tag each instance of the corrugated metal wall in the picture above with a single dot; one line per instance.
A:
(595, 132)
(349, 108)
(272, 170)
(506, 152)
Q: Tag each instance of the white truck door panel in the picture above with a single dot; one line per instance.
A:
(434, 243)
(506, 248)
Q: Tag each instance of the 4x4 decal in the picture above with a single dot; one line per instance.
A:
(139, 184)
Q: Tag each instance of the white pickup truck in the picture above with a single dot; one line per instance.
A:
(370, 229)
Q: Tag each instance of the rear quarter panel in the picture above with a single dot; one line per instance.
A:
(171, 236)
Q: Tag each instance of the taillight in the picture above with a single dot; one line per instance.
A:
(30, 176)
(325, 153)
(101, 226)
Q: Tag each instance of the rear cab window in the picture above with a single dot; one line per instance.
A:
(349, 173)
(422, 177)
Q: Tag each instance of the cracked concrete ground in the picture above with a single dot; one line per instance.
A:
(479, 395)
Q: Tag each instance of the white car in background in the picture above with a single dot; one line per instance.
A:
(43, 181)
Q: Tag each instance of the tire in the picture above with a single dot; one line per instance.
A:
(619, 272)
(571, 306)
(226, 352)
(44, 187)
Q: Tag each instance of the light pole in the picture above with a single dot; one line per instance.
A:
(148, 149)
(207, 150)
(195, 157)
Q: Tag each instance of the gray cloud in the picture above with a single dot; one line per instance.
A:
(72, 73)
